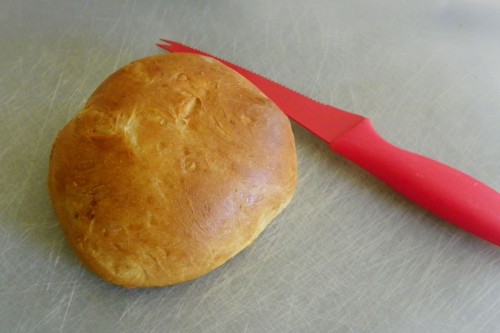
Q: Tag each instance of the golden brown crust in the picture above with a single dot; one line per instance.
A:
(175, 164)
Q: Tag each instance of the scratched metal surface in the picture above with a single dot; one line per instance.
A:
(348, 255)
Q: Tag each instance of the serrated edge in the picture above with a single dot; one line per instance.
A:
(231, 64)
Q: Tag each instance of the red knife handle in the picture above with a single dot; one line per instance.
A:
(444, 191)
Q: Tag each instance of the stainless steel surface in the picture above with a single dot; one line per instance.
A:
(348, 255)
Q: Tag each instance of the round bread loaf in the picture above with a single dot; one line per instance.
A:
(175, 164)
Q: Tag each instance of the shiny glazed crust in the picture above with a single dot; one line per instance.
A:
(175, 164)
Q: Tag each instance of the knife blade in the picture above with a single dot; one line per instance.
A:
(448, 193)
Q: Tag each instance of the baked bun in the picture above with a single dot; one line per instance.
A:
(175, 164)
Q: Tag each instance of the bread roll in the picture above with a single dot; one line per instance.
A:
(175, 164)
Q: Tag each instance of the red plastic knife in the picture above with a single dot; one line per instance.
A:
(444, 191)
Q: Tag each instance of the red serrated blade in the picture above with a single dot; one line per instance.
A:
(314, 116)
(443, 190)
